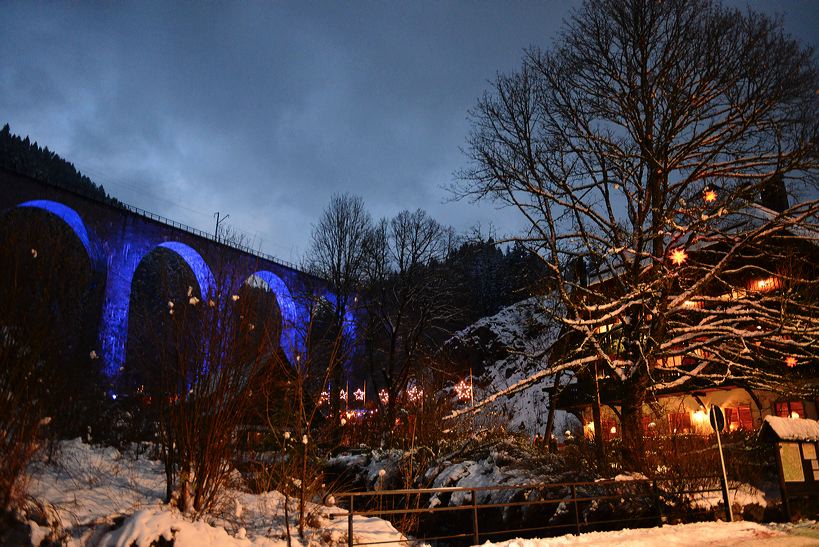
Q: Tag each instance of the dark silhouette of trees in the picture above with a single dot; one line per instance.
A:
(338, 254)
(408, 301)
(26, 157)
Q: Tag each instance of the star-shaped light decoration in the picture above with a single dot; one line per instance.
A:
(358, 394)
(710, 195)
(678, 256)
(791, 361)
(384, 396)
(463, 390)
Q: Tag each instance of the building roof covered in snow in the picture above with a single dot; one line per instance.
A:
(790, 429)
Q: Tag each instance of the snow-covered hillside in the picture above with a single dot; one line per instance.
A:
(505, 349)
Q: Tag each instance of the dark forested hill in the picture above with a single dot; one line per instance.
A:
(28, 158)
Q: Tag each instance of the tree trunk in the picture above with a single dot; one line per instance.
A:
(550, 418)
(599, 444)
(631, 422)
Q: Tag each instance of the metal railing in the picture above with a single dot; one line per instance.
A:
(574, 502)
(206, 235)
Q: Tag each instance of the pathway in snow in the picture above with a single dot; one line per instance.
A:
(717, 534)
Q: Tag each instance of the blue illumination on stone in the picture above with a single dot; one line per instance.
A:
(289, 339)
(200, 269)
(122, 263)
(349, 325)
(68, 215)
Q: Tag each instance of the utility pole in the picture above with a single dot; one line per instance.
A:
(218, 222)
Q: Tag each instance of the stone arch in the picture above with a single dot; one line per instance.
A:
(123, 265)
(284, 298)
(200, 268)
(67, 215)
(158, 345)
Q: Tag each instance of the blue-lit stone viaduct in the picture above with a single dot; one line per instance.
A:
(117, 238)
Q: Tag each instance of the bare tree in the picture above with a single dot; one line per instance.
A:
(408, 300)
(633, 148)
(338, 255)
(198, 366)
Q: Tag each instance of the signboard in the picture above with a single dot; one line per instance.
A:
(791, 457)
(717, 418)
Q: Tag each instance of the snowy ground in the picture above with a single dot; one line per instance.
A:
(99, 496)
(701, 533)
(86, 491)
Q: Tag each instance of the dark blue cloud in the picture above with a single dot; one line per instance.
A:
(262, 110)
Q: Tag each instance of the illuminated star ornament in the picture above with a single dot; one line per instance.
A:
(791, 361)
(463, 390)
(710, 196)
(678, 256)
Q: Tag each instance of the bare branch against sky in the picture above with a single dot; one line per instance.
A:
(263, 110)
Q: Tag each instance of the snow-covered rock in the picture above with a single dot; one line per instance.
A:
(504, 350)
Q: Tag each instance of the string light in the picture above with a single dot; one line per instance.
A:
(463, 390)
(414, 394)
(384, 396)
(358, 394)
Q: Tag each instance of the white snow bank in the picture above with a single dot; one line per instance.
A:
(701, 533)
(147, 525)
(739, 493)
(85, 489)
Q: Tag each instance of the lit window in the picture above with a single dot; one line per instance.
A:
(790, 409)
(739, 417)
(765, 284)
(680, 422)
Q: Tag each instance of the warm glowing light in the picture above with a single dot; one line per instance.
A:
(343, 395)
(463, 389)
(766, 284)
(678, 256)
(791, 361)
(414, 394)
(325, 397)
(794, 415)
(710, 196)
(359, 395)
(384, 396)
(699, 417)
(613, 430)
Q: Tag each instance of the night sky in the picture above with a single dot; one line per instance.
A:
(264, 109)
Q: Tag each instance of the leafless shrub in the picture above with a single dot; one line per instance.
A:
(44, 275)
